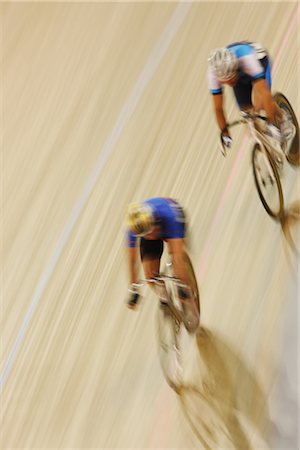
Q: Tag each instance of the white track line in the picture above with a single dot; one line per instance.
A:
(108, 148)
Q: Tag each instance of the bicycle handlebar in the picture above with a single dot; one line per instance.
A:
(246, 117)
(162, 277)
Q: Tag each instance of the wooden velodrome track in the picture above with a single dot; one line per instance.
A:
(102, 104)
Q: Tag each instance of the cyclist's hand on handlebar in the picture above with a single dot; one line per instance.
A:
(226, 142)
(133, 296)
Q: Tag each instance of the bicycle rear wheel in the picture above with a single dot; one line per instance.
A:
(267, 182)
(293, 152)
(168, 329)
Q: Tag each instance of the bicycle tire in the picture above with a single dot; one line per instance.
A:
(293, 154)
(168, 331)
(278, 212)
(168, 347)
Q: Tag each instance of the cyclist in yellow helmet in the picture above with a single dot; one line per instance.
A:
(150, 224)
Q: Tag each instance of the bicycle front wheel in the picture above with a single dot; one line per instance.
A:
(168, 330)
(267, 182)
(293, 148)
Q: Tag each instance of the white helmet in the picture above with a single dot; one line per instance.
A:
(223, 64)
(140, 218)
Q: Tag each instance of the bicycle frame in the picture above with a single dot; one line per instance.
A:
(164, 295)
(171, 322)
(257, 134)
(266, 175)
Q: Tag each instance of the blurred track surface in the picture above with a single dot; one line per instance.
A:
(102, 104)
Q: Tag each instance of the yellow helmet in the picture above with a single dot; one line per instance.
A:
(140, 218)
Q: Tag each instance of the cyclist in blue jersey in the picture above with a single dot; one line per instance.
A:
(246, 67)
(150, 224)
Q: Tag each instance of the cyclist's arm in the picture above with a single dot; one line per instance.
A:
(268, 104)
(216, 91)
(132, 260)
(219, 112)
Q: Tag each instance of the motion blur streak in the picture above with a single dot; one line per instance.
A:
(214, 227)
(145, 76)
(87, 373)
(293, 25)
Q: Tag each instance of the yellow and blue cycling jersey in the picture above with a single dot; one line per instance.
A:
(168, 216)
(253, 62)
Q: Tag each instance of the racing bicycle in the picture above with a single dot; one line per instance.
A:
(172, 320)
(267, 161)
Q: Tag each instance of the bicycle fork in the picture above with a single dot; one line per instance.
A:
(165, 301)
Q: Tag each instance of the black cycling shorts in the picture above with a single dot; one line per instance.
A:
(151, 249)
(243, 88)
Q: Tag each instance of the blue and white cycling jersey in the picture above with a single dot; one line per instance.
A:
(249, 55)
(169, 215)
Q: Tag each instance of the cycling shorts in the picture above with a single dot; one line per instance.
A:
(151, 249)
(244, 85)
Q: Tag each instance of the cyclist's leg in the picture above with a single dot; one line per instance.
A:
(256, 99)
(249, 99)
(282, 120)
(180, 269)
(178, 254)
(258, 94)
(249, 93)
(151, 267)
